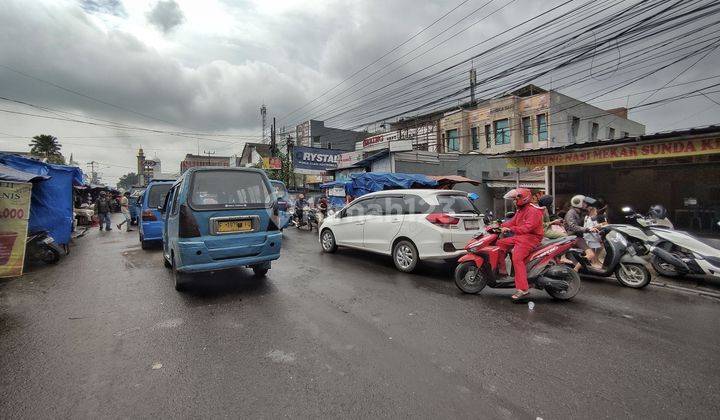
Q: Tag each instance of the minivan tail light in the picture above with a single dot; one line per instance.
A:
(188, 225)
(442, 219)
(149, 216)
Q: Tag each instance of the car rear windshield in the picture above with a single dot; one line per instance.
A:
(280, 189)
(455, 204)
(229, 189)
(157, 193)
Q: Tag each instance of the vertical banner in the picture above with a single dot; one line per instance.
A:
(14, 215)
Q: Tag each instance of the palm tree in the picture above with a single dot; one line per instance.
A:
(48, 147)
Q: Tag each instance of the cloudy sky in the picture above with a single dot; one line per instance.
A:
(126, 72)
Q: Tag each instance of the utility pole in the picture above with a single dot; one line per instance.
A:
(263, 115)
(273, 144)
(93, 174)
(289, 157)
(209, 153)
(473, 81)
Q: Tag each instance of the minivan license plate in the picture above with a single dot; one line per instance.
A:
(230, 226)
(472, 225)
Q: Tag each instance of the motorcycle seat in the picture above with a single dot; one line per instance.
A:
(546, 242)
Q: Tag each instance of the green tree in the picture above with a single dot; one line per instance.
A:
(128, 180)
(47, 147)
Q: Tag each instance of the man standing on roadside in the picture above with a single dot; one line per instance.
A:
(125, 209)
(102, 209)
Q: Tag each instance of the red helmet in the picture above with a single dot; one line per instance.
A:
(521, 196)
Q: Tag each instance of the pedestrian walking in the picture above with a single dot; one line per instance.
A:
(102, 209)
(125, 210)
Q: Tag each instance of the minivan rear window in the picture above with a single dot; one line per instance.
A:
(229, 189)
(156, 194)
(455, 204)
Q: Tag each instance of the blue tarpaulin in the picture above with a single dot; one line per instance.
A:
(368, 182)
(51, 207)
(10, 174)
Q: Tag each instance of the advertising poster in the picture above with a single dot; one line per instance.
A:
(312, 159)
(14, 215)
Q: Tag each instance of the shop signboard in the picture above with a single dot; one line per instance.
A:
(621, 152)
(314, 160)
(271, 163)
(349, 159)
(14, 215)
(336, 192)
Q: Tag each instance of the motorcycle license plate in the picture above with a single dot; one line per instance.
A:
(233, 226)
(472, 224)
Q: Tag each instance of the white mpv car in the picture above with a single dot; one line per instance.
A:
(409, 225)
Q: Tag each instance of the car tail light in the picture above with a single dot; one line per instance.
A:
(442, 219)
(188, 225)
(149, 216)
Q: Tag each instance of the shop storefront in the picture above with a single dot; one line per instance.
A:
(680, 170)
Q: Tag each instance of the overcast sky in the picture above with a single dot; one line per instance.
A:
(207, 66)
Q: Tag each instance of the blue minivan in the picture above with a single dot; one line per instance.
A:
(220, 218)
(281, 193)
(151, 222)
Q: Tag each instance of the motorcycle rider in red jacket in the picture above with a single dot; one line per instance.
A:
(527, 229)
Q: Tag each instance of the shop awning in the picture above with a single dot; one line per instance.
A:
(693, 142)
(530, 179)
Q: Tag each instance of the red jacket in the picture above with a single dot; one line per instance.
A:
(527, 221)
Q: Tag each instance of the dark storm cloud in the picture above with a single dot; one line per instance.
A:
(111, 7)
(166, 15)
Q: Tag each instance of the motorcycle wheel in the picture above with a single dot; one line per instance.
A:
(50, 256)
(469, 278)
(632, 275)
(574, 285)
(665, 269)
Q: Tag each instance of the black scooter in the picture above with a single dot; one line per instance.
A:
(621, 257)
(41, 246)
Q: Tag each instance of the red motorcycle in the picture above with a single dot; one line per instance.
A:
(480, 267)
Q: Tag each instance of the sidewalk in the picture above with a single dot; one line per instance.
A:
(705, 286)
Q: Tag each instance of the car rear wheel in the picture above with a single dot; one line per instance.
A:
(327, 241)
(180, 279)
(405, 256)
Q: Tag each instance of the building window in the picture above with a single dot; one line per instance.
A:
(488, 136)
(502, 131)
(611, 133)
(462, 172)
(316, 141)
(474, 137)
(574, 128)
(594, 128)
(452, 142)
(542, 127)
(623, 134)
(527, 130)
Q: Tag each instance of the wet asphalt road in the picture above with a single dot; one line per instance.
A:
(104, 335)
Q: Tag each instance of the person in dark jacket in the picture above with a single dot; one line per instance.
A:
(102, 209)
(575, 221)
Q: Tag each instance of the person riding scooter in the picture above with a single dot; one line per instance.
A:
(527, 231)
(300, 205)
(575, 221)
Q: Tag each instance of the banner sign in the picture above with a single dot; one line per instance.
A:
(271, 163)
(348, 159)
(315, 159)
(14, 215)
(604, 154)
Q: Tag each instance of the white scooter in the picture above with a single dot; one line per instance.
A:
(676, 253)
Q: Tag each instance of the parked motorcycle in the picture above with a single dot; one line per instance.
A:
(676, 253)
(480, 267)
(41, 246)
